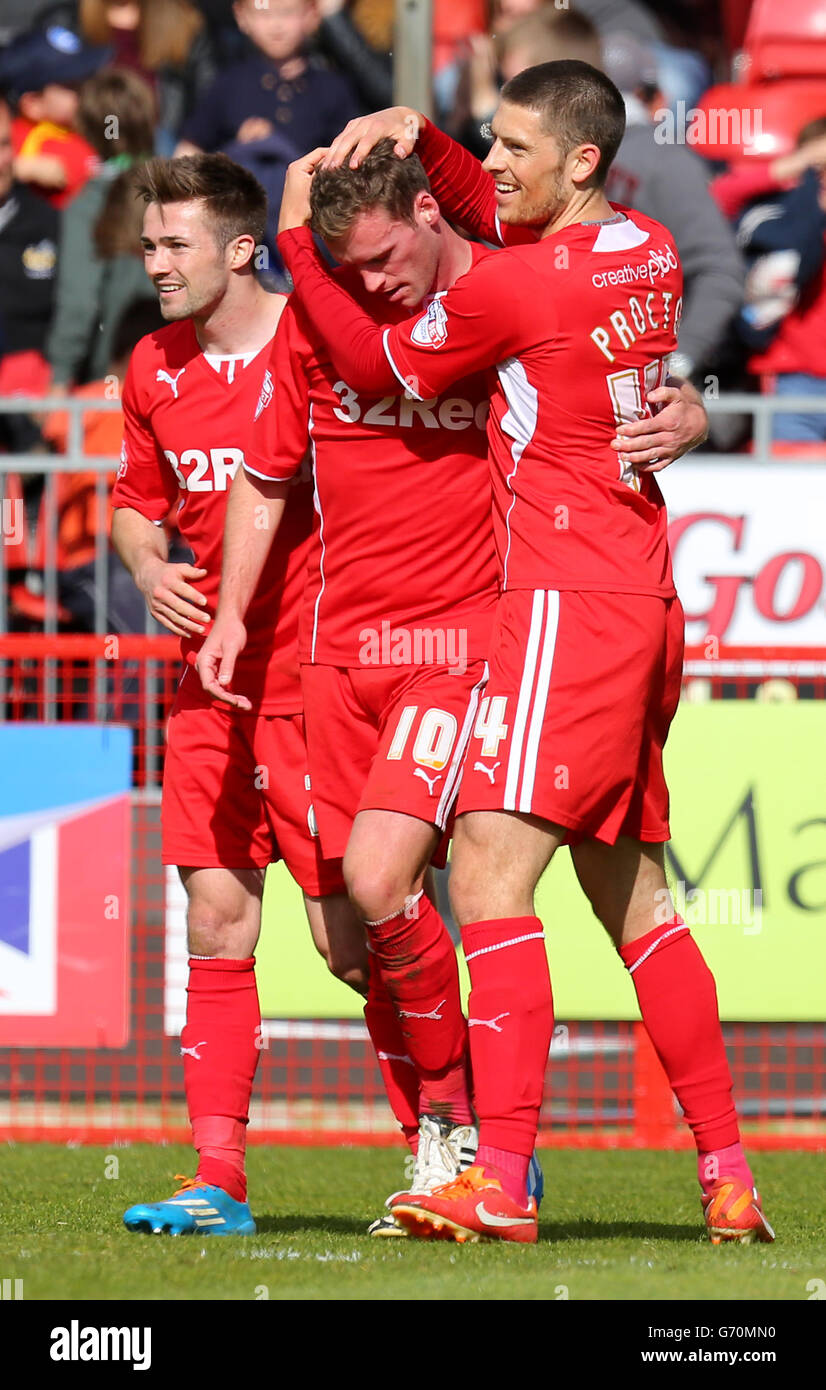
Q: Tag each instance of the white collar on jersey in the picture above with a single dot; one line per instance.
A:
(216, 361)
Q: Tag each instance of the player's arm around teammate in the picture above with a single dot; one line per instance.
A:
(678, 421)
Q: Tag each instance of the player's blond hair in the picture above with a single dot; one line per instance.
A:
(382, 180)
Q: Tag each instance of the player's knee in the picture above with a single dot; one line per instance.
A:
(376, 891)
(211, 933)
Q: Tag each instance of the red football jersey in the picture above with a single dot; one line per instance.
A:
(186, 430)
(575, 329)
(403, 569)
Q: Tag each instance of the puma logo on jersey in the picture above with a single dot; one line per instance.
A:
(431, 328)
(266, 394)
(172, 381)
(492, 1023)
(490, 771)
(193, 1051)
(431, 781)
(434, 1013)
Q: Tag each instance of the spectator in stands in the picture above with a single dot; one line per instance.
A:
(79, 521)
(682, 74)
(40, 74)
(101, 265)
(28, 270)
(537, 36)
(668, 182)
(277, 89)
(166, 42)
(368, 65)
(784, 316)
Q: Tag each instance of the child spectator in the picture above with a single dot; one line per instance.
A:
(41, 74)
(28, 268)
(167, 43)
(276, 88)
(101, 264)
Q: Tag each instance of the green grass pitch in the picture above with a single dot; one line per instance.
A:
(615, 1225)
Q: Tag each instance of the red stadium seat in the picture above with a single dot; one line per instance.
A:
(732, 122)
(453, 21)
(784, 38)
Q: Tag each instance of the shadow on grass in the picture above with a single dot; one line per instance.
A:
(295, 1225)
(550, 1232)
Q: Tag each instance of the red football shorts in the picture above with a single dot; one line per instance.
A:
(236, 793)
(581, 693)
(386, 738)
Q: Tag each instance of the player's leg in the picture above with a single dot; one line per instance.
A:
(339, 937)
(626, 885)
(384, 868)
(220, 1046)
(338, 931)
(498, 858)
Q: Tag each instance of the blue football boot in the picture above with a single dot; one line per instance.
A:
(536, 1180)
(195, 1209)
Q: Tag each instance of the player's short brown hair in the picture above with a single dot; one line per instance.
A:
(578, 105)
(233, 197)
(382, 180)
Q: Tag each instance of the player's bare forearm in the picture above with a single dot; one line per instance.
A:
(353, 339)
(254, 511)
(137, 539)
(679, 424)
(168, 589)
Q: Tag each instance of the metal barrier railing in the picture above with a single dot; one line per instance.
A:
(74, 460)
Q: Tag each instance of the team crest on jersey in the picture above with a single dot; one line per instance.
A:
(171, 381)
(266, 394)
(431, 329)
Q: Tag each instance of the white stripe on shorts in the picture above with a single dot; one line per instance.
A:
(530, 708)
(523, 703)
(454, 777)
(540, 700)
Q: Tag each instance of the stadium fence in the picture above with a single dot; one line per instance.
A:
(318, 1081)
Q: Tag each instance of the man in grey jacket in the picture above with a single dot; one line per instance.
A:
(668, 182)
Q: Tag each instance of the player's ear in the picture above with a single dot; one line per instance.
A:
(427, 207)
(242, 250)
(583, 162)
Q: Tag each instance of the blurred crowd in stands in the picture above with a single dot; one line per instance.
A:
(725, 144)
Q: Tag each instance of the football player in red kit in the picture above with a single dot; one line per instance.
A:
(586, 655)
(235, 787)
(397, 611)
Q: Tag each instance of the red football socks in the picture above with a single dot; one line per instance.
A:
(730, 1162)
(678, 1003)
(418, 965)
(221, 1045)
(511, 1169)
(397, 1068)
(510, 1020)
